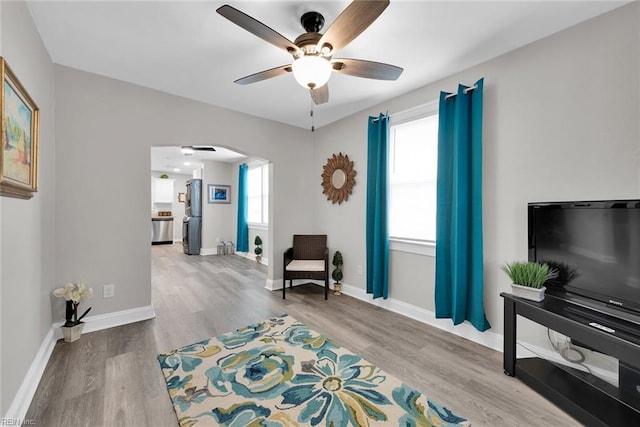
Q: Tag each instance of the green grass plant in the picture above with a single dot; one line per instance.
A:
(529, 274)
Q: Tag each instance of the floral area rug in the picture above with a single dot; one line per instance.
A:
(281, 373)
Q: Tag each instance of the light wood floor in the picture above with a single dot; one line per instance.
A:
(112, 377)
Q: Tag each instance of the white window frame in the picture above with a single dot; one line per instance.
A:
(260, 225)
(413, 246)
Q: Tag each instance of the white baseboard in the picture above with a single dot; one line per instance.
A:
(118, 318)
(18, 408)
(247, 255)
(208, 251)
(27, 389)
(252, 257)
(273, 285)
(465, 330)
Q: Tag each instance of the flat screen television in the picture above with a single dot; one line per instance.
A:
(595, 246)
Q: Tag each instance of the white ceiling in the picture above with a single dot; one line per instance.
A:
(185, 48)
(168, 159)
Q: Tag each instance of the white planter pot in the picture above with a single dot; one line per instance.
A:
(72, 333)
(337, 288)
(526, 292)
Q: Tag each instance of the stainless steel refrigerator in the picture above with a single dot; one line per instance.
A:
(192, 222)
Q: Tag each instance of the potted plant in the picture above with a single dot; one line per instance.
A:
(337, 273)
(73, 294)
(528, 279)
(258, 250)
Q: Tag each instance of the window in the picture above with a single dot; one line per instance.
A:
(413, 166)
(258, 194)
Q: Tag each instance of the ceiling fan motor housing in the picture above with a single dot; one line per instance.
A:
(308, 43)
(312, 22)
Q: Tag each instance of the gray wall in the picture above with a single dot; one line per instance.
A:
(98, 119)
(26, 226)
(218, 219)
(560, 122)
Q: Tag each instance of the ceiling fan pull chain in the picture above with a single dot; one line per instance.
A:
(313, 128)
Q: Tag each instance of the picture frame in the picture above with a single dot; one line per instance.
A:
(19, 120)
(218, 193)
(180, 197)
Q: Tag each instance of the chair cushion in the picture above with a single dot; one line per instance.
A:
(305, 265)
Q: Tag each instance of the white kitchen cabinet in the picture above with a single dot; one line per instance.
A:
(162, 190)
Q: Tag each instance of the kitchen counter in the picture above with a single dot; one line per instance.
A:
(162, 218)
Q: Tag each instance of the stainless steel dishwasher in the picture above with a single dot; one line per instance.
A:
(161, 230)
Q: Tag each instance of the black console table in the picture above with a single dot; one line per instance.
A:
(590, 400)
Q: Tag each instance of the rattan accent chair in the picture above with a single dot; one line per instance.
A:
(307, 259)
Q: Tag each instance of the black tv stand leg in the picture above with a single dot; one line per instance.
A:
(629, 383)
(509, 337)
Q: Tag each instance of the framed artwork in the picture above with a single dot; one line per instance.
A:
(219, 193)
(19, 125)
(180, 197)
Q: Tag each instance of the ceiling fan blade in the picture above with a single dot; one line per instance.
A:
(366, 69)
(351, 22)
(320, 95)
(263, 75)
(203, 148)
(257, 28)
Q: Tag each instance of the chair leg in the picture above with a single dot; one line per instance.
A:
(326, 288)
(284, 287)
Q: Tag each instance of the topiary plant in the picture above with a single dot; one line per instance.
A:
(337, 273)
(337, 262)
(258, 250)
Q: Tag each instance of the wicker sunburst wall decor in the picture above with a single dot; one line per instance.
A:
(338, 178)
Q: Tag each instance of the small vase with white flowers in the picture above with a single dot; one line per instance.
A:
(73, 295)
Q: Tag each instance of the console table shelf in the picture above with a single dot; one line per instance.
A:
(590, 400)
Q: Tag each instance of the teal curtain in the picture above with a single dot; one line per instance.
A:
(377, 225)
(242, 236)
(459, 259)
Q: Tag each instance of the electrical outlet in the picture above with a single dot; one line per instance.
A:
(108, 291)
(360, 272)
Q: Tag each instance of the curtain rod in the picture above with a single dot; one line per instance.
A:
(451, 95)
(467, 90)
(376, 119)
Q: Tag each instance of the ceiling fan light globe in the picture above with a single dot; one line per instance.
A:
(311, 71)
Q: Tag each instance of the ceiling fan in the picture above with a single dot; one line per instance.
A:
(313, 52)
(188, 150)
